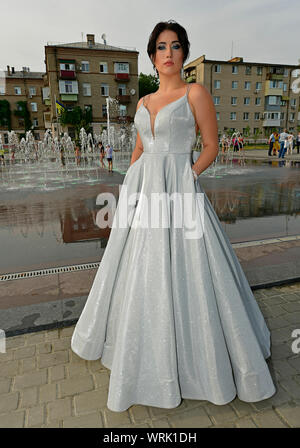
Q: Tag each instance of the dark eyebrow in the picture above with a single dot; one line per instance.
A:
(171, 42)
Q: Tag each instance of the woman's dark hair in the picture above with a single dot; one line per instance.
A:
(173, 26)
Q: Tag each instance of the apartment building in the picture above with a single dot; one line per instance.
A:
(22, 86)
(249, 96)
(84, 74)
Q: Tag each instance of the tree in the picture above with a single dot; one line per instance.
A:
(5, 114)
(256, 134)
(23, 112)
(78, 118)
(147, 84)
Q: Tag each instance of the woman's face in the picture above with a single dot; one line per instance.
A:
(168, 48)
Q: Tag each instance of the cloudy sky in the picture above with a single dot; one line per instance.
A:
(261, 30)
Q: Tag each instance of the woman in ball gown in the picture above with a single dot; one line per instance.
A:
(170, 312)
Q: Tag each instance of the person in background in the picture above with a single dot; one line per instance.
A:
(283, 135)
(77, 154)
(276, 145)
(271, 143)
(2, 160)
(109, 151)
(298, 142)
(290, 144)
(102, 154)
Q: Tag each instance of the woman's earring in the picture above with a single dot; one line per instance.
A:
(155, 71)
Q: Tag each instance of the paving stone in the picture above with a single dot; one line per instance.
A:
(29, 397)
(268, 419)
(290, 414)
(291, 307)
(160, 423)
(115, 419)
(283, 367)
(13, 420)
(101, 379)
(93, 420)
(15, 342)
(280, 351)
(52, 359)
(48, 392)
(74, 386)
(35, 416)
(57, 373)
(9, 369)
(276, 322)
(292, 387)
(35, 338)
(44, 347)
(67, 331)
(9, 402)
(52, 334)
(241, 407)
(30, 379)
(60, 344)
(76, 369)
(59, 408)
(245, 422)
(90, 401)
(190, 418)
(4, 357)
(139, 413)
(28, 365)
(4, 385)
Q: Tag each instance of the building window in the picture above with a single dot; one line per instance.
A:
(121, 89)
(217, 68)
(104, 110)
(259, 70)
(234, 84)
(217, 84)
(104, 90)
(123, 110)
(68, 86)
(37, 136)
(218, 115)
(33, 107)
(258, 101)
(86, 87)
(275, 84)
(18, 106)
(286, 72)
(292, 116)
(67, 66)
(285, 87)
(2, 90)
(247, 85)
(235, 69)
(234, 100)
(85, 66)
(32, 91)
(293, 102)
(103, 67)
(248, 70)
(256, 115)
(258, 86)
(121, 67)
(35, 122)
(216, 100)
(247, 100)
(18, 91)
(281, 115)
(274, 100)
(232, 115)
(246, 116)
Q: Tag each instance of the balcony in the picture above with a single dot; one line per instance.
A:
(124, 99)
(122, 77)
(272, 123)
(67, 74)
(273, 76)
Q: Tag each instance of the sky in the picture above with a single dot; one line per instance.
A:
(265, 31)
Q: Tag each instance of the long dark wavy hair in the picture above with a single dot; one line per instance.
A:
(173, 26)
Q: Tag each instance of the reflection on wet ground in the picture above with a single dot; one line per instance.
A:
(39, 229)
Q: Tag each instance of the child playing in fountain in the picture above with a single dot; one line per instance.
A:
(109, 151)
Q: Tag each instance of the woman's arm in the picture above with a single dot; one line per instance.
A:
(138, 150)
(205, 115)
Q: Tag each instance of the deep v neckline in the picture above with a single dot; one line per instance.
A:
(166, 105)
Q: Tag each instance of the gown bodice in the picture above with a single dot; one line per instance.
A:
(174, 127)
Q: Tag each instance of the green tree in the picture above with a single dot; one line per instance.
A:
(256, 134)
(147, 84)
(5, 114)
(247, 131)
(78, 118)
(23, 112)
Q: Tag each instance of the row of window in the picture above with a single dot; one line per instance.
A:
(259, 70)
(272, 100)
(72, 87)
(18, 90)
(257, 116)
(274, 84)
(119, 67)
